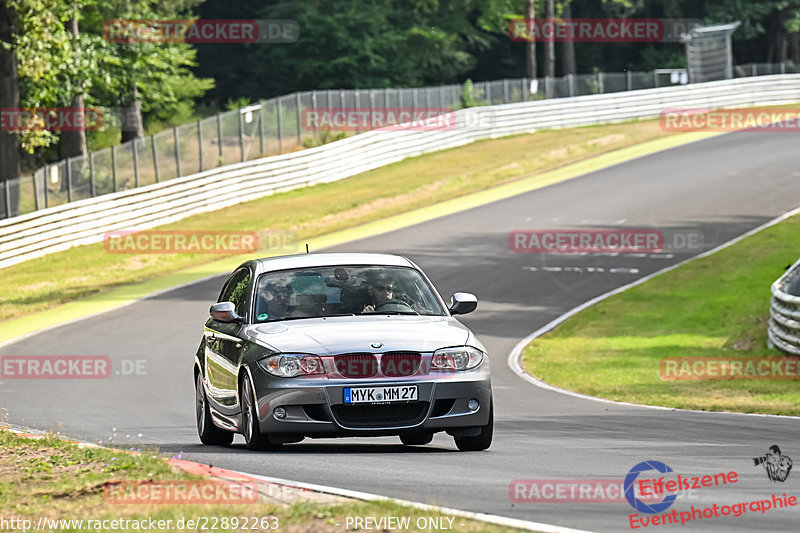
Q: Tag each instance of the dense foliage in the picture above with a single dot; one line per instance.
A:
(62, 56)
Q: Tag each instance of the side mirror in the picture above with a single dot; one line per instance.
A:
(462, 303)
(224, 312)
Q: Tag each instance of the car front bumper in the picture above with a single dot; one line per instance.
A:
(315, 406)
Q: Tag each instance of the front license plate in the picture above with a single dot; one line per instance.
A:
(404, 393)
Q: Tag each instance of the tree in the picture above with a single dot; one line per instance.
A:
(568, 48)
(73, 143)
(9, 91)
(348, 44)
(550, 44)
(153, 78)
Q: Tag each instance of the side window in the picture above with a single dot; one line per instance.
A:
(235, 291)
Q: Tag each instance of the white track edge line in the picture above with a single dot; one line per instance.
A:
(515, 357)
(366, 496)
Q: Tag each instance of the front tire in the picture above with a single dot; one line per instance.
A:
(253, 438)
(483, 440)
(208, 432)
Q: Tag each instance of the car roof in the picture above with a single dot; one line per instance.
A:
(269, 264)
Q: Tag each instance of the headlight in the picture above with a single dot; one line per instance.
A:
(291, 365)
(458, 358)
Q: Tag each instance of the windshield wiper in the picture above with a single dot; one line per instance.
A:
(299, 317)
(391, 313)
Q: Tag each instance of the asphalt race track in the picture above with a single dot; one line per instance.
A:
(721, 187)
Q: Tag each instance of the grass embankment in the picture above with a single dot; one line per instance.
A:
(58, 480)
(43, 283)
(714, 306)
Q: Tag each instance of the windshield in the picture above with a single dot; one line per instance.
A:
(343, 290)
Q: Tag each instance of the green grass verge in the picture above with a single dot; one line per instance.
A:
(58, 278)
(58, 480)
(714, 306)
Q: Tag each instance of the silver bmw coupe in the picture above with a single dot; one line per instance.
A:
(340, 345)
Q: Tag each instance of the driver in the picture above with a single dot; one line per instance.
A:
(381, 289)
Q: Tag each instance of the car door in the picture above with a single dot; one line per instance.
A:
(223, 343)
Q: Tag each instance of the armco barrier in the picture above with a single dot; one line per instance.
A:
(85, 221)
(784, 312)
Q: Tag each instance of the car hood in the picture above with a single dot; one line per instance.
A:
(358, 334)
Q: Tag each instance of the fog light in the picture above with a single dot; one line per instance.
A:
(473, 404)
(279, 413)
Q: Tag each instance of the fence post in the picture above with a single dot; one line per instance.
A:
(7, 195)
(261, 127)
(280, 124)
(548, 89)
(629, 80)
(46, 196)
(135, 162)
(441, 97)
(114, 165)
(313, 103)
(755, 69)
(505, 91)
(601, 83)
(69, 180)
(36, 193)
(371, 109)
(241, 135)
(783, 67)
(219, 134)
(357, 97)
(155, 157)
(200, 144)
(571, 84)
(177, 152)
(299, 126)
(655, 79)
(487, 91)
(91, 180)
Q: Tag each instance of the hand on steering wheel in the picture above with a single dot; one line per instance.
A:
(391, 301)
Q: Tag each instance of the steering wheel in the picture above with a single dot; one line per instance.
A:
(392, 304)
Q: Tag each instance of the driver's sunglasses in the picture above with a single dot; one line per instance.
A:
(386, 288)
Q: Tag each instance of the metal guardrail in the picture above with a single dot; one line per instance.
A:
(86, 221)
(783, 331)
(275, 126)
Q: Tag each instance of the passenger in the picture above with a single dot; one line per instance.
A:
(275, 302)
